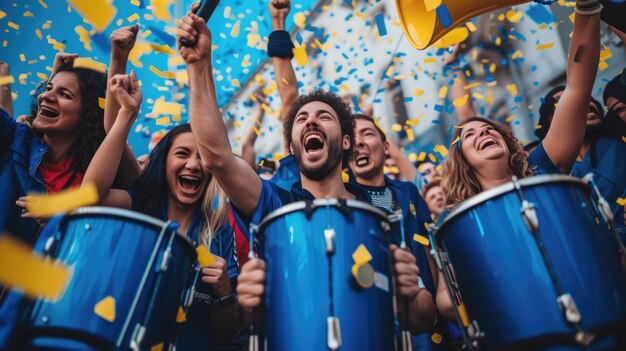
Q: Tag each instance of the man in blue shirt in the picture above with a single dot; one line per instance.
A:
(320, 134)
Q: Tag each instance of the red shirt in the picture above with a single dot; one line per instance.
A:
(56, 175)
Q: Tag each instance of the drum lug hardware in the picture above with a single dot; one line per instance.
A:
(167, 254)
(329, 237)
(51, 240)
(135, 341)
(87, 227)
(474, 331)
(435, 254)
(385, 226)
(530, 216)
(569, 307)
(333, 336)
(583, 338)
(44, 319)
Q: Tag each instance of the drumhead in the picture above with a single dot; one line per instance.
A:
(506, 188)
(320, 203)
(131, 215)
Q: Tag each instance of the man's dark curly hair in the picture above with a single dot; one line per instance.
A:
(90, 132)
(346, 121)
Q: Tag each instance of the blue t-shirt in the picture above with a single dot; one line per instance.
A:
(287, 173)
(605, 159)
(540, 162)
(196, 331)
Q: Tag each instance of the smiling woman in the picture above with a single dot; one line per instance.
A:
(53, 150)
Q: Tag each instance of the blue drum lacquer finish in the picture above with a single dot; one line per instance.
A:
(297, 288)
(109, 251)
(504, 281)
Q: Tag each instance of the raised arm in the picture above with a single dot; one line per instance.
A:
(238, 180)
(459, 90)
(565, 137)
(6, 100)
(286, 80)
(247, 143)
(122, 42)
(105, 163)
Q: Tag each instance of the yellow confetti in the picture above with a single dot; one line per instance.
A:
(135, 2)
(431, 4)
(412, 209)
(48, 205)
(235, 31)
(160, 9)
(461, 101)
(99, 12)
(299, 52)
(418, 92)
(237, 124)
(101, 102)
(443, 91)
(436, 338)
(421, 157)
(156, 71)
(205, 258)
(42, 76)
(602, 65)
(514, 16)
(30, 272)
(163, 121)
(544, 46)
(22, 78)
(83, 36)
(442, 150)
(166, 49)
(512, 88)
(430, 60)
(227, 12)
(470, 25)
(157, 347)
(2, 14)
(622, 201)
(27, 14)
(13, 25)
(361, 255)
(132, 18)
(421, 239)
(181, 317)
(396, 127)
(43, 4)
(605, 54)
(345, 177)
(236, 83)
(87, 63)
(105, 309)
(300, 20)
(4, 80)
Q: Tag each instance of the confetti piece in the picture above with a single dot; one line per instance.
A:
(205, 258)
(27, 14)
(236, 83)
(163, 121)
(514, 16)
(99, 12)
(132, 18)
(461, 101)
(227, 12)
(421, 239)
(13, 25)
(431, 4)
(84, 37)
(544, 46)
(436, 338)
(299, 53)
(409, 134)
(235, 31)
(29, 272)
(430, 60)
(181, 317)
(602, 65)
(48, 205)
(157, 347)
(105, 309)
(361, 255)
(38, 33)
(442, 150)
(418, 92)
(160, 9)
(87, 63)
(101, 102)
(2, 14)
(162, 107)
(4, 80)
(471, 26)
(43, 4)
(444, 16)
(622, 201)
(443, 91)
(380, 23)
(300, 20)
(156, 71)
(412, 209)
(345, 177)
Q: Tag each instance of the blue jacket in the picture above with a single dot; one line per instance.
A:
(21, 153)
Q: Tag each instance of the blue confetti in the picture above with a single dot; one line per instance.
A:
(444, 16)
(216, 203)
(540, 14)
(380, 23)
(299, 38)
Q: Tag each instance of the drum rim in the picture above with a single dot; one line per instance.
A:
(502, 189)
(299, 205)
(102, 210)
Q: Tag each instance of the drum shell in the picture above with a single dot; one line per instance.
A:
(109, 251)
(504, 282)
(297, 281)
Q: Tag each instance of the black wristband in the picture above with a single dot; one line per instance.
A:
(280, 44)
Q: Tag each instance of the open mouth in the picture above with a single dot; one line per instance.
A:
(362, 161)
(313, 142)
(48, 112)
(189, 183)
(488, 142)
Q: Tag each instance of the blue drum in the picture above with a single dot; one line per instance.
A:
(313, 300)
(535, 266)
(135, 268)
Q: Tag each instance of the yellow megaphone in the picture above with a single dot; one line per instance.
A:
(426, 21)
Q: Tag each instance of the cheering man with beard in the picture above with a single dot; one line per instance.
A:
(320, 134)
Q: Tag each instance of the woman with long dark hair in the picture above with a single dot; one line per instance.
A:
(51, 152)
